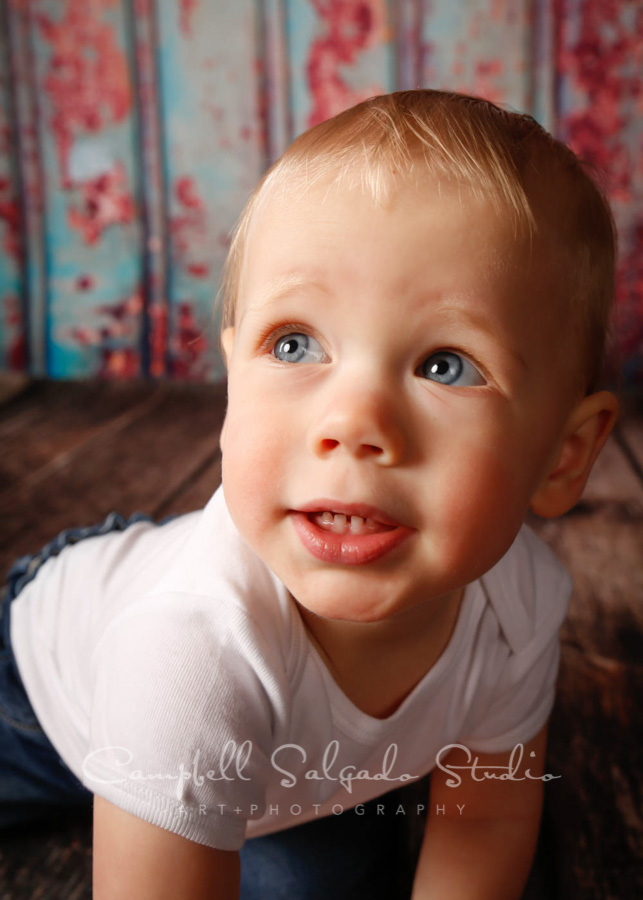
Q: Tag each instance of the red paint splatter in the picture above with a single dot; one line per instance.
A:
(186, 193)
(129, 308)
(122, 363)
(158, 339)
(189, 229)
(11, 214)
(603, 63)
(105, 201)
(198, 270)
(16, 358)
(114, 338)
(350, 27)
(186, 11)
(87, 81)
(188, 346)
(84, 283)
(18, 353)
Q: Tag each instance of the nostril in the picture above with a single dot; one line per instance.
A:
(377, 451)
(328, 444)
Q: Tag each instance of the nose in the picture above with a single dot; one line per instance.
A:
(366, 423)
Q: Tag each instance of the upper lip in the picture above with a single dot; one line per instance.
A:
(365, 510)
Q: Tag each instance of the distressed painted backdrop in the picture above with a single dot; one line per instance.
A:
(131, 132)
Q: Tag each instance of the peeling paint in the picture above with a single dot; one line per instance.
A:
(186, 12)
(16, 358)
(350, 27)
(158, 316)
(77, 87)
(121, 323)
(188, 346)
(105, 200)
(10, 214)
(120, 363)
(604, 63)
(188, 228)
(87, 82)
(84, 283)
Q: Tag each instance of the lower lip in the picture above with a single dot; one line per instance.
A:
(347, 549)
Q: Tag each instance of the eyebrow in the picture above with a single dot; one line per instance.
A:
(281, 287)
(284, 285)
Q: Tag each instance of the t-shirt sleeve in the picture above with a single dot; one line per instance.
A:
(180, 724)
(523, 686)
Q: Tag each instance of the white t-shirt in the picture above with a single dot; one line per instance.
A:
(172, 672)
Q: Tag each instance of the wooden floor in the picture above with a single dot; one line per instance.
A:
(70, 453)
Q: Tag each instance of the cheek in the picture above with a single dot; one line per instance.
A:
(254, 456)
(484, 496)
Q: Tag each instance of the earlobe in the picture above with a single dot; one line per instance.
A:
(587, 429)
(227, 342)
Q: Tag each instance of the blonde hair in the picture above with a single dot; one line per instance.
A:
(503, 156)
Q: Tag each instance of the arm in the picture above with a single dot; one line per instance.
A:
(134, 860)
(484, 852)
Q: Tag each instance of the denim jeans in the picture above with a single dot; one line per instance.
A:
(369, 852)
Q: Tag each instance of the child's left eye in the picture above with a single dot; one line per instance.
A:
(447, 367)
(299, 348)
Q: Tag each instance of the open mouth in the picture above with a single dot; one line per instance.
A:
(339, 523)
(348, 534)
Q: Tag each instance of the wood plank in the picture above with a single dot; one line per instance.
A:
(613, 479)
(602, 551)
(197, 488)
(593, 810)
(630, 436)
(135, 467)
(11, 385)
(48, 859)
(52, 419)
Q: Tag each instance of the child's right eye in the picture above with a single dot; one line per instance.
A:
(298, 348)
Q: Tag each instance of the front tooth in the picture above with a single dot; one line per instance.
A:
(327, 518)
(356, 524)
(339, 523)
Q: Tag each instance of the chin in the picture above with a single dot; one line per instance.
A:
(342, 605)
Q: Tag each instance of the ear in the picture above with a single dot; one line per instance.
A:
(587, 429)
(227, 342)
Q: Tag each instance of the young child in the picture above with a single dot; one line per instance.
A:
(415, 309)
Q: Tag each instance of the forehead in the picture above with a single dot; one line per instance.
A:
(423, 227)
(429, 246)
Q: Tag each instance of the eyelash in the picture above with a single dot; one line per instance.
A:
(466, 355)
(269, 337)
(271, 334)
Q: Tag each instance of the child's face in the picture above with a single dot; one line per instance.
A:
(393, 363)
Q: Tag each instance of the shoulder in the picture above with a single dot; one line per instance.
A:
(171, 653)
(218, 622)
(529, 591)
(176, 679)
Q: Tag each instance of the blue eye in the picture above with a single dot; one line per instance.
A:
(299, 348)
(450, 368)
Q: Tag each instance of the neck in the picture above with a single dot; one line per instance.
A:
(377, 664)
